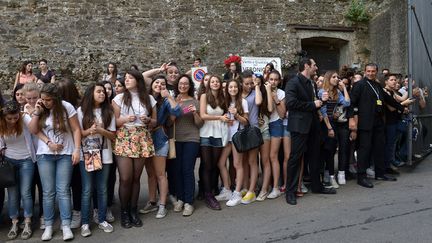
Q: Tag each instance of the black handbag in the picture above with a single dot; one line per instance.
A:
(7, 173)
(248, 138)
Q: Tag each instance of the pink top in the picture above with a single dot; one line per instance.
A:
(26, 78)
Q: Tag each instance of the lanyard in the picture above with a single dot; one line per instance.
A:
(376, 93)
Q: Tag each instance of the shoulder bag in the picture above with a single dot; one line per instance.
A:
(248, 138)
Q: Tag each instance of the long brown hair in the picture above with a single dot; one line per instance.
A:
(10, 108)
(332, 90)
(238, 97)
(143, 94)
(219, 100)
(58, 111)
(88, 105)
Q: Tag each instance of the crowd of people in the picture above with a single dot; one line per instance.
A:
(70, 143)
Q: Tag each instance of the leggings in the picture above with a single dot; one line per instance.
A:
(130, 171)
(211, 156)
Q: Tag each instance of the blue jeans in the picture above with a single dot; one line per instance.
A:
(100, 177)
(24, 169)
(56, 173)
(186, 154)
(390, 144)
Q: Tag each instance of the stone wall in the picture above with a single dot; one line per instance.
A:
(79, 37)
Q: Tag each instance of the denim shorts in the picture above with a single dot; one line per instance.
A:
(278, 130)
(163, 150)
(211, 142)
(265, 134)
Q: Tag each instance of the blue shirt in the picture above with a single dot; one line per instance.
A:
(340, 101)
(163, 112)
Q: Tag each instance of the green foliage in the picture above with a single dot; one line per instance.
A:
(357, 12)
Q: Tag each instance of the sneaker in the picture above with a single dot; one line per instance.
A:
(248, 198)
(95, 216)
(304, 189)
(370, 173)
(27, 231)
(188, 210)
(341, 178)
(149, 207)
(333, 182)
(275, 193)
(352, 169)
(243, 192)
(13, 232)
(326, 178)
(178, 207)
(235, 199)
(47, 234)
(172, 199)
(224, 195)
(76, 219)
(109, 216)
(106, 227)
(262, 196)
(67, 233)
(42, 223)
(85, 230)
(282, 189)
(162, 212)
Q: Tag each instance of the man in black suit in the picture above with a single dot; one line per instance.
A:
(366, 121)
(303, 122)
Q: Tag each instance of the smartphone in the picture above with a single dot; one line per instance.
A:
(186, 110)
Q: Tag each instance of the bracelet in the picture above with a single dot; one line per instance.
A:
(35, 114)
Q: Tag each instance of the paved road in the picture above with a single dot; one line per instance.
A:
(391, 212)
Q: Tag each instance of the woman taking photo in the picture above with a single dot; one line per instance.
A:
(56, 155)
(187, 144)
(166, 106)
(213, 135)
(135, 112)
(19, 150)
(97, 124)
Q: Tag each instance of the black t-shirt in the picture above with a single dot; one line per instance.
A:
(45, 78)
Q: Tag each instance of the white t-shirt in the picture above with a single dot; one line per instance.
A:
(56, 136)
(136, 108)
(274, 116)
(235, 125)
(16, 146)
(95, 141)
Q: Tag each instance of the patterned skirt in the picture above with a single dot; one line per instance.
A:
(134, 142)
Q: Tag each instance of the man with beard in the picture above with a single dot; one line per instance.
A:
(304, 125)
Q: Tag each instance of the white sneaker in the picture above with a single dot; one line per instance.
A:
(76, 219)
(148, 208)
(224, 195)
(275, 193)
(341, 178)
(67, 233)
(162, 212)
(42, 223)
(370, 173)
(262, 196)
(106, 227)
(235, 199)
(188, 210)
(109, 216)
(333, 182)
(96, 216)
(178, 207)
(85, 230)
(47, 234)
(304, 189)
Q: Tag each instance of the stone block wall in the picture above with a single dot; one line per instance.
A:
(79, 37)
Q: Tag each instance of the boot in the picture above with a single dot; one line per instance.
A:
(134, 218)
(125, 219)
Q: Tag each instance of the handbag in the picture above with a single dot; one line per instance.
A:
(171, 142)
(7, 172)
(339, 114)
(93, 158)
(247, 138)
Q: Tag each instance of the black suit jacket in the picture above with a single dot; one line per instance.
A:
(364, 104)
(299, 98)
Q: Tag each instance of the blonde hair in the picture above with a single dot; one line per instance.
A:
(29, 87)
